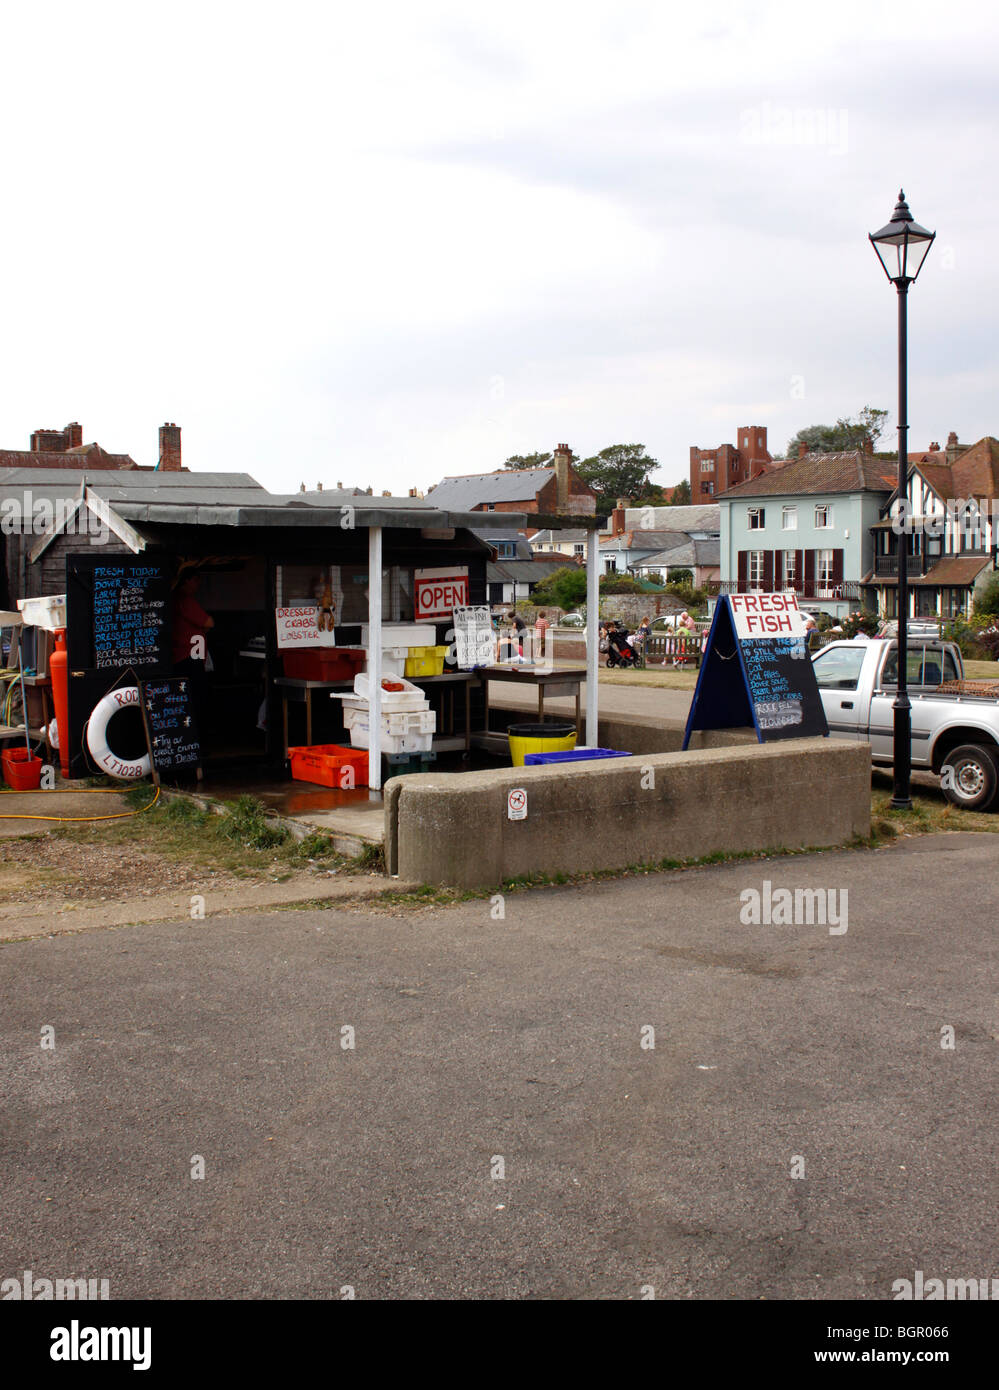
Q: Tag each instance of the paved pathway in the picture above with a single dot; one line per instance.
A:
(497, 1129)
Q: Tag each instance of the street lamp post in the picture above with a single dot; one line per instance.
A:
(902, 246)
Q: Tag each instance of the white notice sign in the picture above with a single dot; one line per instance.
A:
(767, 615)
(298, 628)
(516, 804)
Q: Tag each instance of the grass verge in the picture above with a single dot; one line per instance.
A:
(243, 839)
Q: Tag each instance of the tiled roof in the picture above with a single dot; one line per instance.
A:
(953, 571)
(689, 552)
(523, 571)
(853, 471)
(89, 456)
(976, 471)
(939, 477)
(698, 517)
(475, 489)
(644, 540)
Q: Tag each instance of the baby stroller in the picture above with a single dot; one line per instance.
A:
(620, 652)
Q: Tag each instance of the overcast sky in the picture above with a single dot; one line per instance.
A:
(383, 243)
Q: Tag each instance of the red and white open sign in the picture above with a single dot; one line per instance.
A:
(440, 592)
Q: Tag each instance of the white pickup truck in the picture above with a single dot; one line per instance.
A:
(955, 722)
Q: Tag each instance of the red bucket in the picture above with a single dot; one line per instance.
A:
(22, 770)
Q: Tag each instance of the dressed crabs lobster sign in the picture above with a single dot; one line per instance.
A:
(440, 592)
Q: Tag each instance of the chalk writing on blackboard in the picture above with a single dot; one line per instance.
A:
(171, 727)
(771, 685)
(129, 614)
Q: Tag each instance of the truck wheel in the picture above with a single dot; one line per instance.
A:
(969, 777)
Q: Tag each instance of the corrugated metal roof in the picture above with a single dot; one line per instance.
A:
(109, 482)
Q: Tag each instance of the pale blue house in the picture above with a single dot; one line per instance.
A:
(806, 525)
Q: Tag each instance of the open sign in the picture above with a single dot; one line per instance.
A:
(439, 592)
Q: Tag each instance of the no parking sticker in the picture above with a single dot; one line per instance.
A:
(516, 804)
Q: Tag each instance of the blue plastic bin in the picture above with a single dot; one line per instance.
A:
(572, 755)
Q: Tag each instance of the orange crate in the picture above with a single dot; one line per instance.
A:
(325, 764)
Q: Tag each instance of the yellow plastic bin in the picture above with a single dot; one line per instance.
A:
(551, 736)
(425, 661)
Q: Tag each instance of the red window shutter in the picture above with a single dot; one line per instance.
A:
(743, 570)
(768, 571)
(809, 588)
(799, 573)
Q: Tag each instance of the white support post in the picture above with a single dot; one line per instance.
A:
(592, 635)
(375, 658)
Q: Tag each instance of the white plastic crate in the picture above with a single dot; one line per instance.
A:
(410, 697)
(402, 635)
(393, 664)
(393, 743)
(401, 722)
(50, 613)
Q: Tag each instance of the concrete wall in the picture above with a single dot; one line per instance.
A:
(453, 828)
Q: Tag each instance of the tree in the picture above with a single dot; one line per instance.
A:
(564, 588)
(620, 470)
(845, 434)
(524, 461)
(681, 494)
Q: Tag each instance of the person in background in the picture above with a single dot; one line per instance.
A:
(520, 627)
(811, 634)
(540, 629)
(191, 626)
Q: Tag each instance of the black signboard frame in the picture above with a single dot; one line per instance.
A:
(88, 682)
(148, 708)
(724, 696)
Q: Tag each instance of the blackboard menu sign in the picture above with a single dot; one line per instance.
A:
(118, 614)
(757, 670)
(129, 616)
(171, 728)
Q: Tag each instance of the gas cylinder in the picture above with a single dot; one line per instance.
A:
(58, 664)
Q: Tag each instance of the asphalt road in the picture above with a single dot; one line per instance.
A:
(520, 1039)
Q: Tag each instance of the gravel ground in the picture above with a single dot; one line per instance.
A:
(49, 867)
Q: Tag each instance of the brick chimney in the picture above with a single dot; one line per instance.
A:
(934, 447)
(617, 517)
(170, 449)
(867, 444)
(802, 448)
(563, 455)
(953, 447)
(57, 441)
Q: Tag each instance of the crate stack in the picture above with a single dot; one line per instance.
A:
(408, 723)
(408, 649)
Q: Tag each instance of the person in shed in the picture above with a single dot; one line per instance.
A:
(191, 626)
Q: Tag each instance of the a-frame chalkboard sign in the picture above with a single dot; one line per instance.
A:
(756, 671)
(171, 728)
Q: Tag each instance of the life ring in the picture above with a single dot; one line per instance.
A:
(97, 740)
